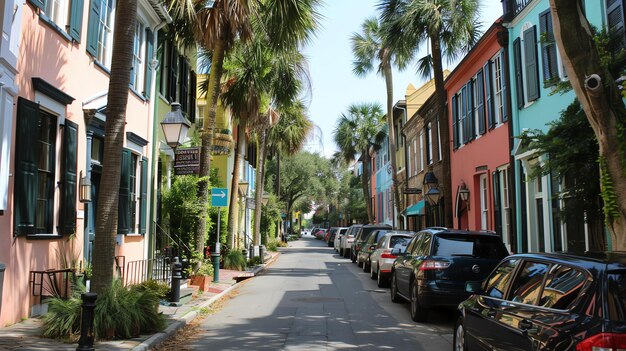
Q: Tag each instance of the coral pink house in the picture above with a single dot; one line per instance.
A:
(479, 119)
(57, 135)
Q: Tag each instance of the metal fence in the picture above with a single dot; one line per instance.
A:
(137, 272)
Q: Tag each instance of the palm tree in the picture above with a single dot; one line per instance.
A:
(360, 129)
(287, 23)
(369, 48)
(452, 28)
(106, 221)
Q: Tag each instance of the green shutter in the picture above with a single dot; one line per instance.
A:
(531, 69)
(464, 113)
(548, 50)
(517, 63)
(471, 122)
(491, 113)
(147, 87)
(615, 19)
(123, 221)
(455, 122)
(26, 161)
(497, 204)
(480, 101)
(172, 73)
(67, 220)
(505, 85)
(143, 196)
(76, 19)
(93, 28)
(192, 96)
(40, 4)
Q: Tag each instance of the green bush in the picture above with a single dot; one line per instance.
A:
(274, 244)
(254, 261)
(161, 289)
(63, 318)
(235, 260)
(206, 269)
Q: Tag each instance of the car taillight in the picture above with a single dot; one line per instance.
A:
(387, 254)
(603, 342)
(431, 264)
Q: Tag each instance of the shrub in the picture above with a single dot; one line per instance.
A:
(274, 244)
(63, 317)
(161, 289)
(206, 269)
(235, 260)
(254, 261)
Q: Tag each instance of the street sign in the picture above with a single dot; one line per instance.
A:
(219, 197)
(250, 203)
(187, 160)
(412, 191)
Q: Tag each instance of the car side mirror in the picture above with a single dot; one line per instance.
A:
(474, 287)
(373, 247)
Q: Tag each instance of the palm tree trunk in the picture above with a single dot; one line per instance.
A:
(365, 176)
(392, 141)
(279, 228)
(440, 93)
(258, 194)
(108, 200)
(603, 106)
(233, 213)
(215, 76)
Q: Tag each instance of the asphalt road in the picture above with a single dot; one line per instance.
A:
(311, 299)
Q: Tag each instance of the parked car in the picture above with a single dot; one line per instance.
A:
(437, 264)
(348, 239)
(319, 234)
(337, 241)
(359, 238)
(369, 245)
(559, 301)
(382, 259)
(333, 234)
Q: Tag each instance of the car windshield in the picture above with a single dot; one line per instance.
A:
(617, 295)
(479, 246)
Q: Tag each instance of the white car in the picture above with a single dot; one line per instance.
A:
(340, 231)
(382, 258)
(348, 239)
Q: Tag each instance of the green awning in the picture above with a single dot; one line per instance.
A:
(416, 210)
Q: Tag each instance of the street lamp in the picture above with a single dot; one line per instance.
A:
(433, 195)
(175, 126)
(463, 192)
(265, 198)
(243, 188)
(84, 188)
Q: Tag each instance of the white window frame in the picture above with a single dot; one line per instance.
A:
(484, 201)
(498, 87)
(58, 12)
(505, 203)
(106, 23)
(430, 159)
(421, 150)
(138, 66)
(439, 141)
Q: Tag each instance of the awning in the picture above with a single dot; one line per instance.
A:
(416, 210)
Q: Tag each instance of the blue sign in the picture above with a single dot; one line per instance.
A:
(219, 197)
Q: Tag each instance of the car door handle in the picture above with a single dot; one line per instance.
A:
(491, 313)
(525, 324)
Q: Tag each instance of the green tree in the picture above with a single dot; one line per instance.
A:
(452, 28)
(360, 129)
(108, 200)
(603, 104)
(371, 48)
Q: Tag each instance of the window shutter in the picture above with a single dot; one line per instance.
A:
(76, 19)
(143, 196)
(532, 71)
(147, 86)
(184, 84)
(123, 222)
(480, 102)
(192, 96)
(548, 50)
(455, 122)
(40, 4)
(172, 73)
(505, 85)
(93, 27)
(615, 18)
(67, 221)
(26, 161)
(464, 113)
(491, 114)
(471, 122)
(519, 82)
(497, 206)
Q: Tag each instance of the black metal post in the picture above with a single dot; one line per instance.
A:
(177, 275)
(262, 253)
(85, 343)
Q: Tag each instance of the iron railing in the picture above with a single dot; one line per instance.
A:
(158, 268)
(512, 8)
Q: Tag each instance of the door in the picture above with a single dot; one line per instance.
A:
(403, 268)
(484, 202)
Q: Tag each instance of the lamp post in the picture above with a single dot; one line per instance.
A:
(243, 191)
(433, 195)
(84, 189)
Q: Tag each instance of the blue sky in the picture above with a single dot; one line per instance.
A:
(330, 64)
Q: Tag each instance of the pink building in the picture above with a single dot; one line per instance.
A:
(63, 69)
(478, 97)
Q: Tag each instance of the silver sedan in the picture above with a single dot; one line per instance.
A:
(382, 258)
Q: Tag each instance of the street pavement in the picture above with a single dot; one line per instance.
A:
(311, 299)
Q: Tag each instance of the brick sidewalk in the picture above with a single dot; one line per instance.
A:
(26, 335)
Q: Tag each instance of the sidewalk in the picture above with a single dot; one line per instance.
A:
(26, 335)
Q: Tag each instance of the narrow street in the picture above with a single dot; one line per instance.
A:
(311, 299)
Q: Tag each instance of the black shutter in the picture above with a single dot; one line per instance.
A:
(93, 27)
(147, 86)
(172, 74)
(40, 4)
(67, 220)
(532, 69)
(517, 63)
(464, 113)
(26, 161)
(480, 102)
(123, 222)
(76, 19)
(489, 82)
(548, 50)
(143, 196)
(471, 122)
(192, 96)
(505, 84)
(497, 204)
(455, 122)
(615, 18)
(184, 84)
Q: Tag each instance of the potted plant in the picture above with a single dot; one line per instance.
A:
(203, 276)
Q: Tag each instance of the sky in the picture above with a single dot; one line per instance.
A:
(334, 85)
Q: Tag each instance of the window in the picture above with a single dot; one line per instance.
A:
(484, 202)
(65, 15)
(552, 67)
(563, 285)
(527, 285)
(498, 87)
(526, 67)
(429, 143)
(439, 141)
(505, 204)
(57, 11)
(421, 151)
(500, 278)
(137, 70)
(615, 21)
(132, 213)
(36, 178)
(100, 31)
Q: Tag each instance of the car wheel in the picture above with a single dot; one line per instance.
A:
(418, 313)
(381, 280)
(373, 274)
(352, 257)
(367, 266)
(394, 289)
(459, 336)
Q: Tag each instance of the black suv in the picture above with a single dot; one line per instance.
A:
(361, 236)
(547, 302)
(437, 264)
